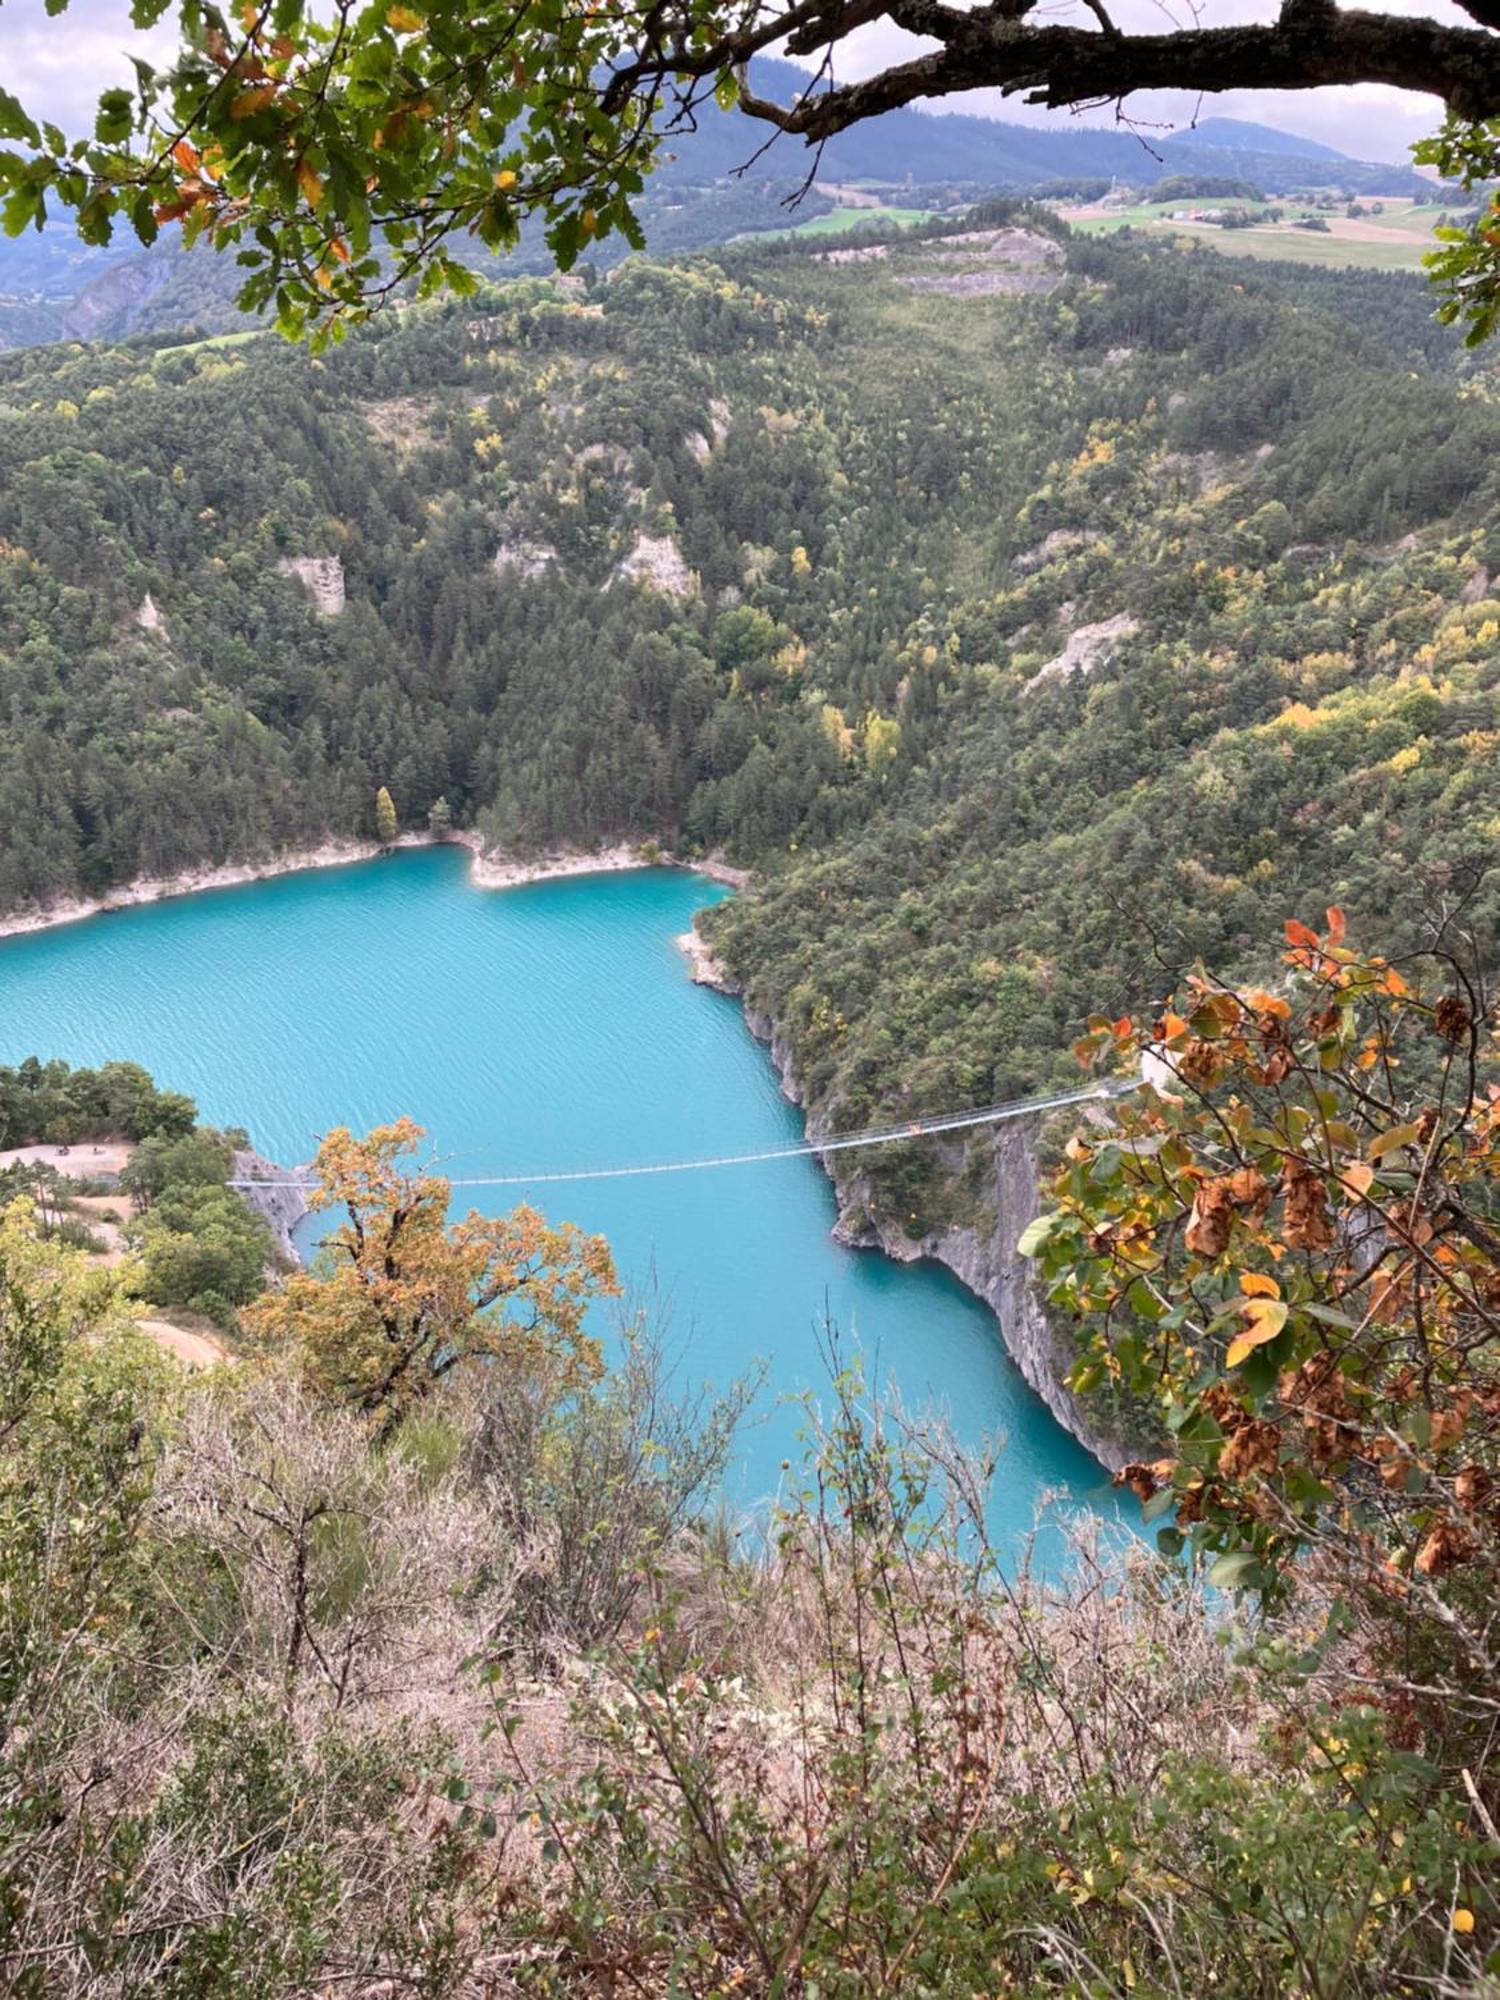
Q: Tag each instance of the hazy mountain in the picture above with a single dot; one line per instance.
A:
(711, 186)
(913, 148)
(1242, 135)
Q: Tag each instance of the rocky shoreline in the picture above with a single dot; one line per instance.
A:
(282, 1206)
(984, 1261)
(486, 871)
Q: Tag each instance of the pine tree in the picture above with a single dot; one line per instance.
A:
(385, 817)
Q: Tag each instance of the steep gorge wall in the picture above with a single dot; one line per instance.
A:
(282, 1206)
(981, 1255)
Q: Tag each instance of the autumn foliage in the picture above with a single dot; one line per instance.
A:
(409, 1297)
(1287, 1245)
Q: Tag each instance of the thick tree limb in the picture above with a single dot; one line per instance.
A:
(1312, 43)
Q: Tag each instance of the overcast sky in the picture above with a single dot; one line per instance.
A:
(58, 67)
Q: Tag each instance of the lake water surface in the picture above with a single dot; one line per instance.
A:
(538, 1029)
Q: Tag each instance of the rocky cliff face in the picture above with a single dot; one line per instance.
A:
(283, 1207)
(113, 303)
(322, 577)
(983, 1256)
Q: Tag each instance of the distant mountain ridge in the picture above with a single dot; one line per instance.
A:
(1243, 135)
(715, 182)
(914, 146)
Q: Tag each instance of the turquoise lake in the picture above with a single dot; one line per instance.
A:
(532, 1030)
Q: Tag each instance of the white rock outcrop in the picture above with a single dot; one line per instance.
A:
(1089, 646)
(657, 562)
(516, 556)
(322, 577)
(1061, 542)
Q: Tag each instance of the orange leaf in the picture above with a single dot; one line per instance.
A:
(310, 183)
(1356, 1176)
(186, 155)
(1299, 934)
(250, 101)
(1256, 1285)
(339, 248)
(1335, 924)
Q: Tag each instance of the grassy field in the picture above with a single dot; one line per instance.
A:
(217, 340)
(839, 221)
(1395, 240)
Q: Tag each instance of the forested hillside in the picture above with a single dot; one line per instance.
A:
(1028, 611)
(1029, 615)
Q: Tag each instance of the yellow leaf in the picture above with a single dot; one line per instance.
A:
(310, 183)
(1463, 1922)
(405, 20)
(505, 180)
(590, 221)
(1266, 1318)
(1255, 1285)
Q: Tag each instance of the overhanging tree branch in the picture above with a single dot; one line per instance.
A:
(1309, 46)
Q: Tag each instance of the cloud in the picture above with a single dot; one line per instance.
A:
(1367, 121)
(58, 67)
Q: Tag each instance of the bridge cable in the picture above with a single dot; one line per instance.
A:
(884, 1135)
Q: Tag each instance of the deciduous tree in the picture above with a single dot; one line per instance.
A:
(408, 1297)
(386, 823)
(1289, 1245)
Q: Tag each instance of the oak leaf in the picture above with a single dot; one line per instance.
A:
(1211, 1219)
(1265, 1318)
(1306, 1223)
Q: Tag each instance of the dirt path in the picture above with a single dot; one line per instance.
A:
(197, 1350)
(80, 1163)
(100, 1211)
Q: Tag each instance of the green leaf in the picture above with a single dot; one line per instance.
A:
(114, 118)
(23, 206)
(1036, 1233)
(1239, 1570)
(14, 123)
